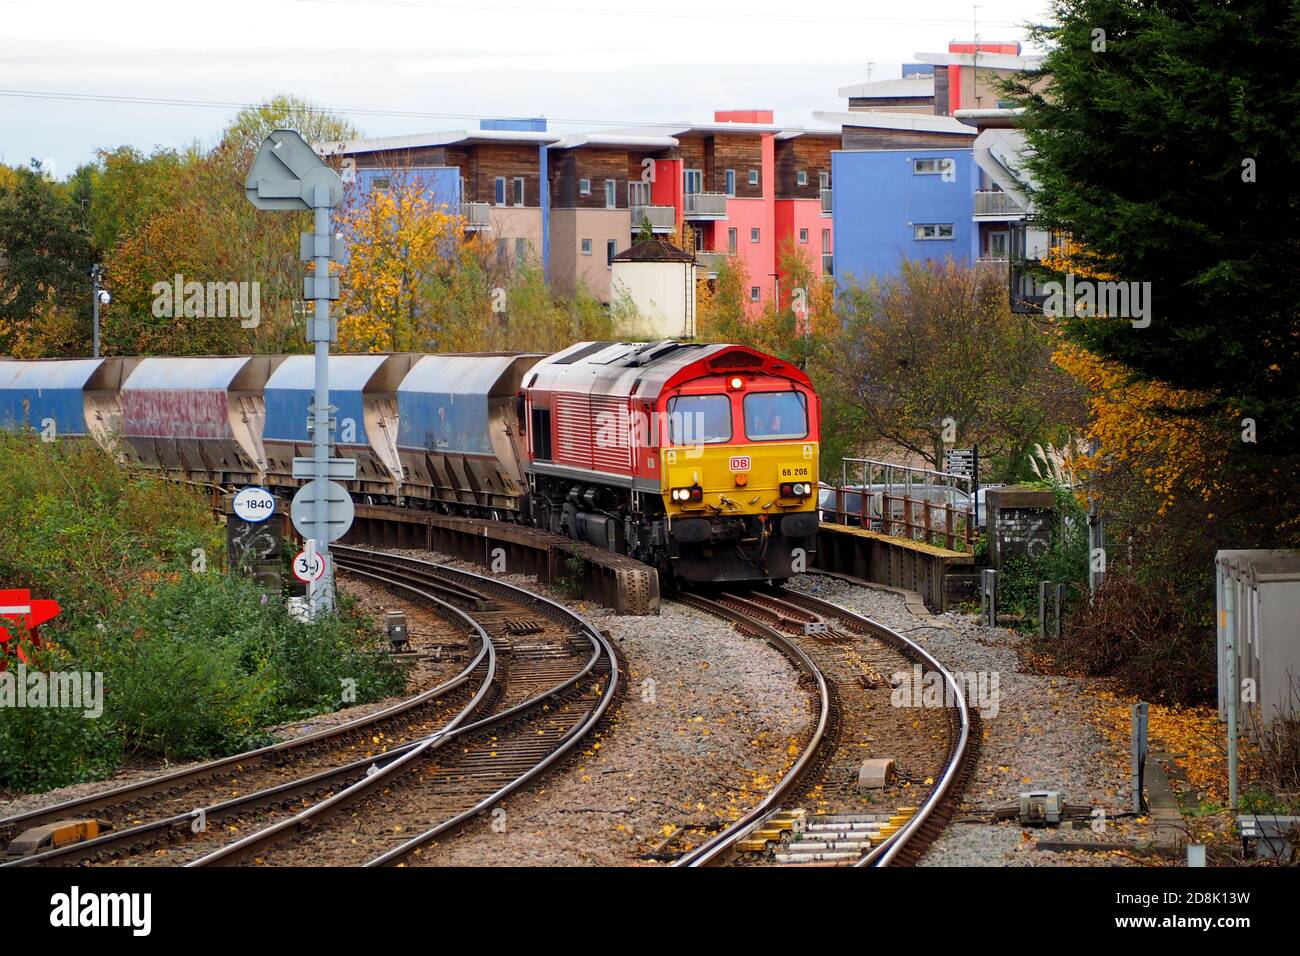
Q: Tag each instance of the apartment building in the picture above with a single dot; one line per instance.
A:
(600, 195)
(907, 181)
(502, 183)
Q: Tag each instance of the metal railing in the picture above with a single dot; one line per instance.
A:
(710, 262)
(901, 501)
(661, 218)
(706, 206)
(994, 202)
(826, 202)
(477, 215)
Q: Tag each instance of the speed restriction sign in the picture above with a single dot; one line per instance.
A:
(308, 566)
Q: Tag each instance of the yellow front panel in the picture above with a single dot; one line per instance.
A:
(715, 467)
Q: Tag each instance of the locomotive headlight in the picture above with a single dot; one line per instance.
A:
(736, 383)
(693, 493)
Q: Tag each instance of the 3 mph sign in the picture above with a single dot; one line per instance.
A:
(308, 566)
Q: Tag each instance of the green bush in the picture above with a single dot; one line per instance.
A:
(194, 664)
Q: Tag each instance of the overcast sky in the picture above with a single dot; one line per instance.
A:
(582, 63)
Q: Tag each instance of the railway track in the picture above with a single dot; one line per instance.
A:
(553, 677)
(815, 815)
(159, 813)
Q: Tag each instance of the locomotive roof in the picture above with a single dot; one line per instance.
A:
(645, 369)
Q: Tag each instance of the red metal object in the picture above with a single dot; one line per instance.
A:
(17, 605)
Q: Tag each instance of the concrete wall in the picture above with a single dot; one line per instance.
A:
(569, 267)
(517, 222)
(878, 199)
(795, 214)
(664, 295)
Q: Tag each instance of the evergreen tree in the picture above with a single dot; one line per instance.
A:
(1166, 142)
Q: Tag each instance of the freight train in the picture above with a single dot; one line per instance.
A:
(700, 460)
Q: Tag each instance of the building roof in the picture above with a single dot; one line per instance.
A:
(890, 89)
(994, 61)
(441, 138)
(653, 250)
(616, 140)
(913, 122)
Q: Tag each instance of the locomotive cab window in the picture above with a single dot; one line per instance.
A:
(772, 416)
(699, 419)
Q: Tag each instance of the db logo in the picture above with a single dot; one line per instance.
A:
(740, 463)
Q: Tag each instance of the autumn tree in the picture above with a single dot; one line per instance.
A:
(933, 357)
(397, 238)
(45, 259)
(205, 230)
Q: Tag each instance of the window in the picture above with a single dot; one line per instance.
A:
(753, 177)
(930, 167)
(521, 250)
(541, 432)
(933, 230)
(584, 187)
(519, 190)
(499, 194)
(380, 183)
(699, 419)
(611, 194)
(638, 193)
(774, 416)
(801, 178)
(826, 241)
(803, 235)
(824, 180)
(693, 180)
(755, 294)
(503, 249)
(586, 247)
(997, 245)
(731, 182)
(732, 241)
(611, 250)
(754, 234)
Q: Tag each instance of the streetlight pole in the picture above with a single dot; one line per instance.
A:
(96, 277)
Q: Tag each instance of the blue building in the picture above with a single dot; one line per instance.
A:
(895, 204)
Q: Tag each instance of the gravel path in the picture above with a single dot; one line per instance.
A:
(1041, 737)
(709, 721)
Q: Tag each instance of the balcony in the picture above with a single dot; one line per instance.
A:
(477, 216)
(710, 262)
(661, 218)
(994, 204)
(826, 202)
(706, 206)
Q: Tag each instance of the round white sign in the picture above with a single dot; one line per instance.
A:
(254, 504)
(308, 567)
